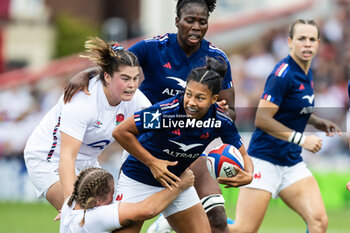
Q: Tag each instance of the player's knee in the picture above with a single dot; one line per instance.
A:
(319, 222)
(242, 228)
(323, 222)
(214, 207)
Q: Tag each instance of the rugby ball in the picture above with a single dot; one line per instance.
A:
(221, 159)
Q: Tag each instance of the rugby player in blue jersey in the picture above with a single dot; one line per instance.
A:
(166, 62)
(166, 138)
(285, 108)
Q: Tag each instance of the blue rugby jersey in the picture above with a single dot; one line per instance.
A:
(166, 66)
(167, 134)
(292, 90)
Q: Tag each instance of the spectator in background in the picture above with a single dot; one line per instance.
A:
(259, 63)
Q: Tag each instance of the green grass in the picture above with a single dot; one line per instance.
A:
(37, 218)
(281, 219)
(17, 217)
(27, 218)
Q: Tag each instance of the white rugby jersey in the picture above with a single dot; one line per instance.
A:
(88, 118)
(100, 219)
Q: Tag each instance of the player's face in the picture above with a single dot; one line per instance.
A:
(304, 45)
(123, 84)
(197, 100)
(192, 25)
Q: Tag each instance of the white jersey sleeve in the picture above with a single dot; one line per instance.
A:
(140, 101)
(103, 218)
(100, 219)
(77, 115)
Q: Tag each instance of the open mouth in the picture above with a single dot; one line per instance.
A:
(191, 111)
(194, 38)
(307, 53)
(129, 92)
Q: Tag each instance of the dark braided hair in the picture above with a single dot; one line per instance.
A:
(90, 184)
(209, 4)
(211, 75)
(110, 57)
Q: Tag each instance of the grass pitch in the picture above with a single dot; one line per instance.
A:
(38, 218)
(19, 217)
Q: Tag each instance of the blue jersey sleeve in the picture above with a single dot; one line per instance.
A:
(227, 82)
(275, 89)
(229, 135)
(140, 50)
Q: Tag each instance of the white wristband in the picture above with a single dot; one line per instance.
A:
(297, 138)
(302, 140)
(291, 137)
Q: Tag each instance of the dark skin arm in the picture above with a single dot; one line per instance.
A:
(79, 82)
(324, 125)
(227, 101)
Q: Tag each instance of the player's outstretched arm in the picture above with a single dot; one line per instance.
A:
(125, 133)
(324, 125)
(154, 204)
(79, 82)
(227, 102)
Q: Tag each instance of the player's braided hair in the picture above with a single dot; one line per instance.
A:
(209, 4)
(303, 21)
(92, 183)
(110, 57)
(211, 75)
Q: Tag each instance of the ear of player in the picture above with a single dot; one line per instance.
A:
(221, 161)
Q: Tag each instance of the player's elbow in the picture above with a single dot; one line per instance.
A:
(117, 133)
(259, 121)
(148, 211)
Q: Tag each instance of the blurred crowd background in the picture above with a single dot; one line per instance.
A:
(40, 42)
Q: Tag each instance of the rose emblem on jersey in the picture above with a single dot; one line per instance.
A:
(119, 118)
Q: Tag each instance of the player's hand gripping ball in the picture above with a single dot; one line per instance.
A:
(221, 159)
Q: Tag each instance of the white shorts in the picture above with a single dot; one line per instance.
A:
(43, 174)
(274, 178)
(130, 190)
